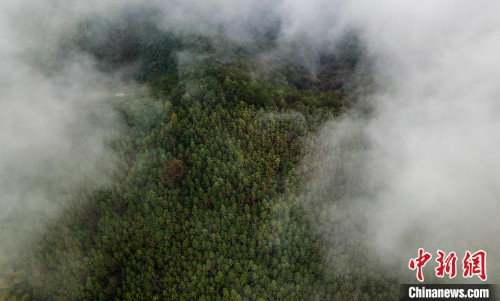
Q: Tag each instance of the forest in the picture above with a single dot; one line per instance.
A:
(211, 158)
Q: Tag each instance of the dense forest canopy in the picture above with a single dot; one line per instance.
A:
(245, 150)
(204, 203)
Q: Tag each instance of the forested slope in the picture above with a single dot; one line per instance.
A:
(202, 204)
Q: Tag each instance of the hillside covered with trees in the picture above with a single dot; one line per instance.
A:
(202, 205)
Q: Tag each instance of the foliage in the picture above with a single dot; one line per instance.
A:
(203, 206)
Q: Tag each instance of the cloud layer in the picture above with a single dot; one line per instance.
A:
(427, 174)
(53, 125)
(423, 170)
